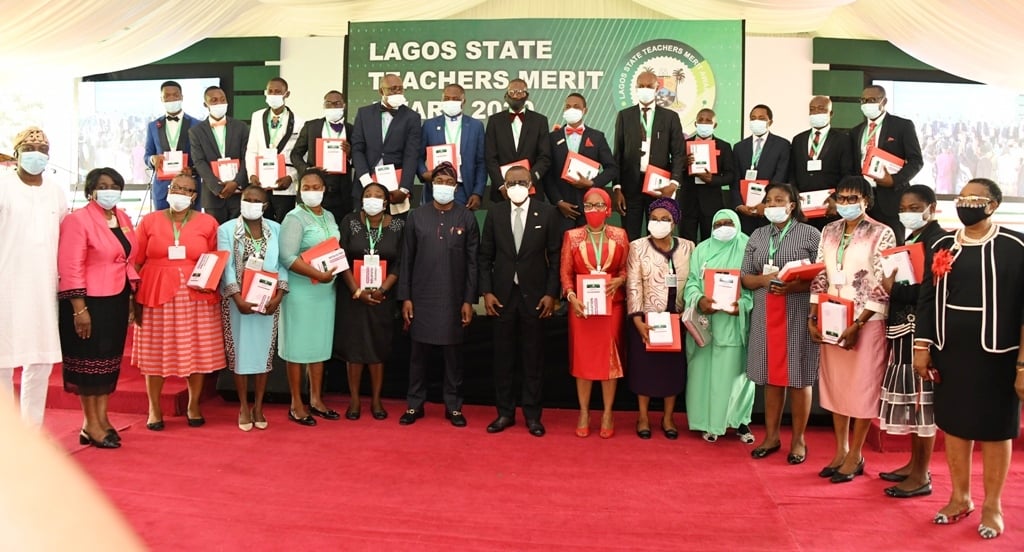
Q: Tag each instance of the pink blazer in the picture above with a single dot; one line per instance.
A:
(90, 258)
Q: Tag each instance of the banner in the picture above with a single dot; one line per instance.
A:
(698, 63)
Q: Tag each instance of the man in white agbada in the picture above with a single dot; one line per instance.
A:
(31, 208)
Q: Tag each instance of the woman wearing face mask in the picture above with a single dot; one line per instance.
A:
(595, 342)
(251, 337)
(307, 322)
(96, 262)
(851, 371)
(364, 331)
(906, 397)
(778, 355)
(969, 330)
(718, 393)
(179, 330)
(656, 271)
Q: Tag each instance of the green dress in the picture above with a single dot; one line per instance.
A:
(306, 333)
(718, 393)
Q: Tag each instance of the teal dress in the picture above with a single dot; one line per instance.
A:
(306, 333)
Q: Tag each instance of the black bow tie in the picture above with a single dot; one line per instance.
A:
(173, 118)
(386, 109)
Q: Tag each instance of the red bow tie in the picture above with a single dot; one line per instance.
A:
(513, 116)
(571, 130)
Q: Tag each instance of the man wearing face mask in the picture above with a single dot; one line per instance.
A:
(167, 133)
(387, 133)
(516, 135)
(332, 126)
(218, 147)
(701, 195)
(645, 135)
(437, 287)
(274, 130)
(760, 156)
(576, 137)
(820, 157)
(892, 134)
(467, 133)
(520, 253)
(31, 210)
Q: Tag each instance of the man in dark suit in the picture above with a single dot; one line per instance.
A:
(897, 136)
(702, 194)
(218, 143)
(167, 133)
(519, 258)
(274, 131)
(567, 195)
(645, 134)
(332, 126)
(453, 127)
(387, 133)
(760, 156)
(516, 135)
(821, 156)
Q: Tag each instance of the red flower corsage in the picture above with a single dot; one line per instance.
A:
(159, 124)
(942, 263)
(556, 128)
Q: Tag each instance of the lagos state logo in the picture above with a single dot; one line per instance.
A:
(686, 83)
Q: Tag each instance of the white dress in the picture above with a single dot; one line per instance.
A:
(30, 219)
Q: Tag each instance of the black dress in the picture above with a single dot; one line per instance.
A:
(92, 366)
(362, 333)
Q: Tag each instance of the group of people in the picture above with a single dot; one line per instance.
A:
(545, 238)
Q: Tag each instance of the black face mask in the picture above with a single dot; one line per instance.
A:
(971, 215)
(516, 104)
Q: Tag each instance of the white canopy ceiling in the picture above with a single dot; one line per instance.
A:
(974, 39)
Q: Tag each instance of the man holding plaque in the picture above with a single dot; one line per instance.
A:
(218, 147)
(167, 140)
(646, 136)
(459, 140)
(581, 159)
(516, 136)
(763, 157)
(820, 158)
(275, 130)
(324, 143)
(711, 170)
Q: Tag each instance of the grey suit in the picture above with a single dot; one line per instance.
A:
(205, 151)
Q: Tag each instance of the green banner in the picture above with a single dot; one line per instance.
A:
(699, 64)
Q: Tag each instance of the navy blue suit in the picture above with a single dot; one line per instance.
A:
(773, 166)
(401, 146)
(471, 154)
(157, 143)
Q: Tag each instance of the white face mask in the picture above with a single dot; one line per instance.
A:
(334, 114)
(776, 215)
(218, 111)
(705, 130)
(395, 100)
(518, 194)
(573, 115)
(451, 108)
(444, 194)
(645, 95)
(659, 228)
(758, 127)
(871, 110)
(108, 198)
(373, 206)
(252, 210)
(172, 107)
(915, 221)
(275, 101)
(312, 198)
(179, 202)
(724, 233)
(819, 120)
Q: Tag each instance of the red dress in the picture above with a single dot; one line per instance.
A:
(595, 343)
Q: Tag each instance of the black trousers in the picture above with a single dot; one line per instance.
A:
(698, 204)
(518, 332)
(231, 209)
(281, 205)
(419, 357)
(636, 214)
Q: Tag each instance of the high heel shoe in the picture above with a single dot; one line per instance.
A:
(583, 430)
(258, 425)
(106, 443)
(840, 477)
(607, 432)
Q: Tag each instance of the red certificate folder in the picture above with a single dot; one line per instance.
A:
(281, 170)
(655, 179)
(916, 252)
(831, 333)
(803, 272)
(357, 272)
(228, 166)
(161, 175)
(813, 203)
(209, 267)
(752, 192)
(585, 282)
(878, 161)
(709, 284)
(327, 256)
(322, 143)
(263, 293)
(577, 165)
(442, 152)
(712, 161)
(676, 345)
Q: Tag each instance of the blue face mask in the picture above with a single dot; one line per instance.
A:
(444, 194)
(33, 162)
(705, 130)
(850, 212)
(108, 198)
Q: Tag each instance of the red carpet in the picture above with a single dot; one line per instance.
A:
(371, 485)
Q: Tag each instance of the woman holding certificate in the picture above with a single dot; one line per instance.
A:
(719, 395)
(969, 330)
(656, 270)
(307, 320)
(96, 263)
(779, 356)
(852, 322)
(594, 257)
(365, 325)
(253, 285)
(179, 331)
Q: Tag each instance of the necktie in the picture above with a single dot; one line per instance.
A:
(514, 116)
(173, 118)
(871, 134)
(570, 130)
(517, 227)
(814, 145)
(645, 110)
(758, 144)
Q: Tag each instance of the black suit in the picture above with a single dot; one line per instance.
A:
(338, 198)
(518, 326)
(666, 153)
(500, 149)
(836, 162)
(700, 202)
(399, 147)
(898, 137)
(206, 151)
(773, 166)
(593, 145)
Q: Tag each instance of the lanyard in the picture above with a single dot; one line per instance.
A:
(773, 245)
(219, 135)
(257, 242)
(841, 253)
(458, 132)
(597, 248)
(173, 142)
(321, 221)
(869, 135)
(369, 235)
(177, 229)
(647, 123)
(274, 132)
(913, 239)
(816, 150)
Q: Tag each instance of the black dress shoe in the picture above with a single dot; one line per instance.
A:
(536, 428)
(410, 416)
(500, 423)
(456, 417)
(352, 415)
(326, 414)
(307, 421)
(155, 426)
(114, 435)
(894, 477)
(761, 452)
(670, 434)
(643, 433)
(196, 422)
(840, 477)
(923, 490)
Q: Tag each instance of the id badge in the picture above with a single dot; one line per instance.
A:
(813, 165)
(769, 269)
(752, 174)
(671, 280)
(254, 263)
(371, 260)
(838, 278)
(645, 154)
(597, 272)
(176, 252)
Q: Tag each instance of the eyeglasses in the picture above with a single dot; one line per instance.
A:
(522, 183)
(848, 200)
(517, 93)
(594, 206)
(176, 188)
